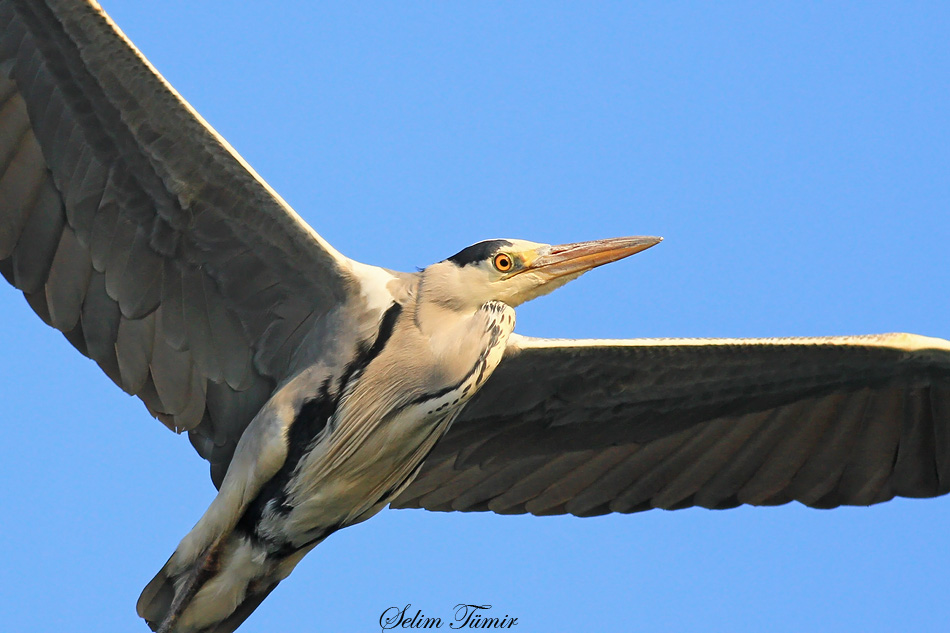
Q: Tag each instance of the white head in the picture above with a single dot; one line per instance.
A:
(515, 271)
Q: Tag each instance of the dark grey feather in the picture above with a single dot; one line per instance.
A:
(566, 487)
(873, 454)
(697, 443)
(19, 189)
(821, 472)
(37, 301)
(7, 88)
(173, 311)
(664, 424)
(915, 469)
(198, 325)
(68, 280)
(100, 325)
(14, 124)
(196, 409)
(38, 241)
(139, 288)
(133, 348)
(104, 223)
(939, 411)
(120, 247)
(171, 371)
(496, 482)
(730, 436)
(84, 193)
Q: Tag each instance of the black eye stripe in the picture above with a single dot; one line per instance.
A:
(478, 252)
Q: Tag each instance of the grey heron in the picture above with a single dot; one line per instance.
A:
(120, 367)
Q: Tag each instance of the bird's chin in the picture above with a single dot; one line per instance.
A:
(540, 283)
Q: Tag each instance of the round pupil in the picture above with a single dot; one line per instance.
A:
(502, 262)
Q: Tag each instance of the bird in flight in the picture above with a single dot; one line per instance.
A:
(321, 389)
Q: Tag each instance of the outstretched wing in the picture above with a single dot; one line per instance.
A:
(592, 427)
(135, 229)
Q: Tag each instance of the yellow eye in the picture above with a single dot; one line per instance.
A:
(503, 262)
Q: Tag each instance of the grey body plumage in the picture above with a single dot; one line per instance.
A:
(320, 389)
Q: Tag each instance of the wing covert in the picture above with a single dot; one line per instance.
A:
(591, 427)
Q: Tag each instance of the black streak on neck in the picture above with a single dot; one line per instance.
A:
(364, 355)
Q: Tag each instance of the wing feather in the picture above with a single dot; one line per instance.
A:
(565, 487)
(14, 125)
(590, 427)
(134, 228)
(172, 371)
(33, 254)
(139, 283)
(865, 479)
(68, 281)
(724, 441)
(20, 185)
(939, 411)
(100, 326)
(915, 467)
(133, 346)
(194, 411)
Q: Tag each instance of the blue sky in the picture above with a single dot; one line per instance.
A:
(795, 159)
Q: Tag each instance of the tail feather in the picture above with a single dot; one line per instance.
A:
(156, 599)
(218, 592)
(169, 594)
(243, 611)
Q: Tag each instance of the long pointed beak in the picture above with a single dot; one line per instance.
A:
(574, 259)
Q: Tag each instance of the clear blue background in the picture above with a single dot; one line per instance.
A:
(795, 159)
